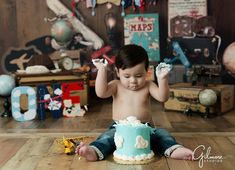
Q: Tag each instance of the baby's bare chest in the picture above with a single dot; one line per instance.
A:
(130, 98)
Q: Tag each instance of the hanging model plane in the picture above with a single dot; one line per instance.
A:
(60, 10)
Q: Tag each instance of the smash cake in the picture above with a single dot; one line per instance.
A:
(132, 140)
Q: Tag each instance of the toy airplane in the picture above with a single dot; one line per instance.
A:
(102, 53)
(69, 146)
(20, 61)
(179, 55)
(60, 9)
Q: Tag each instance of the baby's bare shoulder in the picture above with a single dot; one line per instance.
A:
(114, 82)
(149, 83)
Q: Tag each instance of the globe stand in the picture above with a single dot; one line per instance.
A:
(6, 106)
(208, 114)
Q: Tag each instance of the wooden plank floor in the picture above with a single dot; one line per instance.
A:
(32, 145)
(99, 117)
(42, 151)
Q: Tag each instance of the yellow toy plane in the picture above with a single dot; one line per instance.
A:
(69, 146)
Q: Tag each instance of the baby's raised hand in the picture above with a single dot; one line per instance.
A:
(100, 63)
(162, 70)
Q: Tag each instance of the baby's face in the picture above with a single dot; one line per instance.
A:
(133, 78)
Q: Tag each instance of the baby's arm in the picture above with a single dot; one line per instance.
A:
(103, 89)
(161, 92)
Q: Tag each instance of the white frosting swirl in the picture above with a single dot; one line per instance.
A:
(133, 158)
(131, 120)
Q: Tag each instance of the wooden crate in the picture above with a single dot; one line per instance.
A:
(184, 96)
(50, 78)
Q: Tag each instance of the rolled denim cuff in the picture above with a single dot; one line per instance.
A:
(168, 151)
(98, 152)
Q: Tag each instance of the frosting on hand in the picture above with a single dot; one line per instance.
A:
(100, 63)
(163, 69)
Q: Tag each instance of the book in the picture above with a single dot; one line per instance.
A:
(143, 30)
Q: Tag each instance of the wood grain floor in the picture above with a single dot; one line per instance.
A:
(32, 145)
(42, 151)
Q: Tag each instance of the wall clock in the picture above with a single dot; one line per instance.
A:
(66, 63)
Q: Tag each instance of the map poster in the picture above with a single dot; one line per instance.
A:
(143, 30)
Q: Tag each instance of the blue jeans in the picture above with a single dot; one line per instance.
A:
(160, 141)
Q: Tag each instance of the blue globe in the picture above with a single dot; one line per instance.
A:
(62, 31)
(7, 84)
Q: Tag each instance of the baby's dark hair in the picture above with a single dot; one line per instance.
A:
(131, 55)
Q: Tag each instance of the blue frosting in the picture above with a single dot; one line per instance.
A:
(129, 134)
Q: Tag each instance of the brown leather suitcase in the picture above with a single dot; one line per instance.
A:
(184, 96)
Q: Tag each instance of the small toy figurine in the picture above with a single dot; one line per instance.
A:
(69, 146)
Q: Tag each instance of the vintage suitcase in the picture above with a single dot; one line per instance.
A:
(198, 50)
(202, 74)
(181, 26)
(184, 96)
(50, 78)
(187, 26)
(180, 14)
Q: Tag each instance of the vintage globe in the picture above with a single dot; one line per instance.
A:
(207, 97)
(7, 84)
(62, 31)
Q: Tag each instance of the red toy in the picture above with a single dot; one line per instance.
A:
(102, 53)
